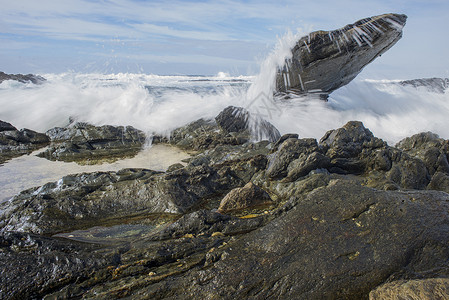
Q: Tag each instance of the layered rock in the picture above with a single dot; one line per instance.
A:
(36, 79)
(324, 61)
(82, 142)
(14, 142)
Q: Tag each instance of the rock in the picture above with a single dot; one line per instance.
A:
(419, 289)
(435, 85)
(204, 134)
(428, 147)
(5, 126)
(346, 238)
(34, 264)
(206, 222)
(36, 79)
(15, 142)
(85, 143)
(91, 199)
(249, 196)
(323, 61)
(238, 119)
(439, 182)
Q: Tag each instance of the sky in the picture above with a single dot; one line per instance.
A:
(203, 37)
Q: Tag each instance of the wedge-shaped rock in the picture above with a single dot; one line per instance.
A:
(323, 61)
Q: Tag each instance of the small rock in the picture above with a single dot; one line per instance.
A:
(246, 197)
(419, 289)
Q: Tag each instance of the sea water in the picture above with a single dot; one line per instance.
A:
(159, 104)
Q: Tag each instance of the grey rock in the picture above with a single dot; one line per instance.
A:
(238, 119)
(428, 147)
(33, 264)
(36, 79)
(207, 223)
(203, 134)
(14, 142)
(288, 151)
(249, 196)
(82, 142)
(324, 61)
(436, 85)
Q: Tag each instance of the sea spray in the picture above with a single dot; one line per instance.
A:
(159, 104)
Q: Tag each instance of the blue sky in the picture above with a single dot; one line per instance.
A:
(202, 37)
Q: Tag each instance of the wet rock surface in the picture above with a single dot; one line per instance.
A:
(86, 143)
(323, 61)
(347, 214)
(14, 142)
(420, 289)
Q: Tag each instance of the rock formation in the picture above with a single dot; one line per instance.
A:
(36, 79)
(14, 142)
(350, 217)
(324, 61)
(86, 143)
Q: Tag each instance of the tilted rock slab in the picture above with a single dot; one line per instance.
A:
(324, 61)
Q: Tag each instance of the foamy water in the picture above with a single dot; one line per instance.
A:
(159, 104)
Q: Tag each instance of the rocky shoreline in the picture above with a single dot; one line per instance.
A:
(347, 216)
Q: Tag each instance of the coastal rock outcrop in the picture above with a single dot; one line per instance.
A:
(86, 143)
(36, 79)
(345, 215)
(323, 61)
(14, 142)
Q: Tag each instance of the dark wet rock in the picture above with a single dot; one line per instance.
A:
(436, 85)
(14, 142)
(83, 200)
(288, 151)
(204, 134)
(418, 289)
(5, 126)
(238, 119)
(346, 238)
(282, 139)
(323, 61)
(305, 164)
(245, 197)
(207, 223)
(36, 79)
(439, 182)
(429, 148)
(82, 142)
(33, 265)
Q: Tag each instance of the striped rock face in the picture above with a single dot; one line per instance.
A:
(323, 61)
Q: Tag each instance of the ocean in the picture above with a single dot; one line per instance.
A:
(159, 104)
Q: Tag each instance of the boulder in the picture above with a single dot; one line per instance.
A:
(14, 142)
(238, 119)
(249, 196)
(418, 289)
(204, 134)
(86, 143)
(323, 61)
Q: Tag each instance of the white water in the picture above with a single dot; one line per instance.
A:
(159, 104)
